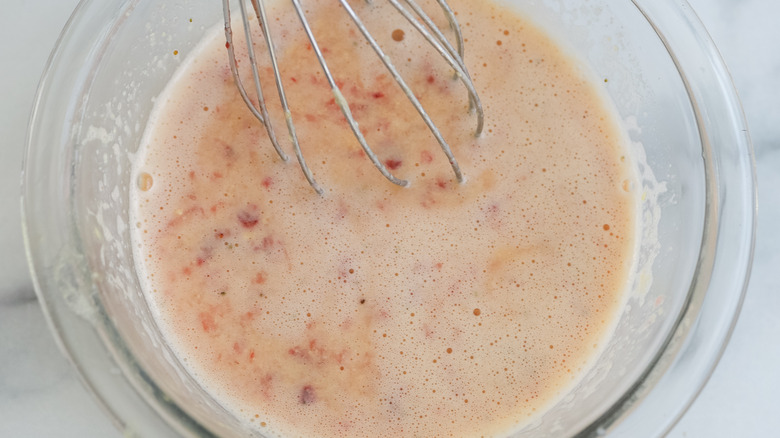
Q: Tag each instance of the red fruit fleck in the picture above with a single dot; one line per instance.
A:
(185, 216)
(383, 125)
(431, 79)
(249, 217)
(294, 80)
(357, 153)
(205, 254)
(207, 321)
(225, 73)
(378, 95)
(268, 182)
(441, 183)
(216, 175)
(426, 157)
(268, 242)
(429, 332)
(216, 207)
(186, 271)
(343, 210)
(393, 164)
(266, 387)
(192, 174)
(307, 395)
(311, 117)
(493, 214)
(227, 45)
(251, 354)
(228, 152)
(237, 348)
(259, 278)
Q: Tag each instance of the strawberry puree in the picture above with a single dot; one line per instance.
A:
(442, 309)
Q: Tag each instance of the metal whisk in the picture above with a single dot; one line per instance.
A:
(411, 12)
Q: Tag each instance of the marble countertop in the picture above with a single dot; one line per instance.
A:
(40, 395)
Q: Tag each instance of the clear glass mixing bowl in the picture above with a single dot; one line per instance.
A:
(668, 84)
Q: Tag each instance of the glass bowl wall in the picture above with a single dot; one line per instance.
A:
(657, 64)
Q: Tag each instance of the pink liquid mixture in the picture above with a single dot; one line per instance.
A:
(442, 309)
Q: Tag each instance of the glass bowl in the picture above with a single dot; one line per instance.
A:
(668, 85)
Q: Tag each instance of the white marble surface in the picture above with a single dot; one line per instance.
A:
(40, 395)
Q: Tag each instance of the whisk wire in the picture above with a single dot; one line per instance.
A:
(428, 29)
(408, 91)
(450, 14)
(431, 27)
(259, 7)
(445, 49)
(342, 102)
(263, 110)
(233, 63)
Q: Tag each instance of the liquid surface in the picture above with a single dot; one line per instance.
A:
(442, 309)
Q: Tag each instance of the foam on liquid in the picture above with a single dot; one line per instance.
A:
(436, 310)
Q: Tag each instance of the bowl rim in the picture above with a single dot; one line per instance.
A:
(68, 326)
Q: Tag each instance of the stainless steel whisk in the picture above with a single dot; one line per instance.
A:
(412, 13)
